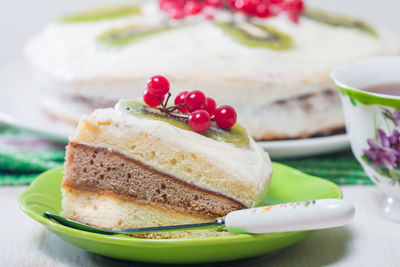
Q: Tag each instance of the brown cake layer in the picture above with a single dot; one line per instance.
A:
(109, 172)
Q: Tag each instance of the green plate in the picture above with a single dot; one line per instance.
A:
(287, 185)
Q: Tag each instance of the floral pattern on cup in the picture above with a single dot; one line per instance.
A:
(383, 153)
(305, 203)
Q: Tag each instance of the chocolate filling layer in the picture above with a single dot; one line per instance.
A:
(100, 170)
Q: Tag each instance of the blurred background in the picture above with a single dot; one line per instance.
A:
(21, 19)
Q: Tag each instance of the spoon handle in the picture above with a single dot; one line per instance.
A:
(294, 216)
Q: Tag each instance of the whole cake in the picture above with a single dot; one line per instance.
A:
(140, 165)
(269, 61)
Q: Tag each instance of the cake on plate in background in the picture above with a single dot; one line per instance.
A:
(139, 165)
(269, 61)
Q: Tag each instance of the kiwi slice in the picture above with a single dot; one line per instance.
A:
(237, 135)
(132, 33)
(100, 13)
(256, 35)
(338, 20)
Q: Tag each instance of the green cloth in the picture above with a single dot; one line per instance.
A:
(341, 168)
(24, 155)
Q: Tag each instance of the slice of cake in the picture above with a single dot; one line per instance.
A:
(136, 165)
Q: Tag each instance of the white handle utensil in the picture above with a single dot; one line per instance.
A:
(294, 216)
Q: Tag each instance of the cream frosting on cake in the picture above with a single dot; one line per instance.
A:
(125, 171)
(72, 64)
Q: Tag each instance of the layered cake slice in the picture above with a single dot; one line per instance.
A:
(136, 165)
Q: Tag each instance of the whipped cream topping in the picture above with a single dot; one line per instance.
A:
(71, 53)
(249, 165)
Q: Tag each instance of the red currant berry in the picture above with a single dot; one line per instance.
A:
(176, 13)
(195, 100)
(152, 100)
(294, 5)
(213, 3)
(180, 99)
(199, 121)
(210, 106)
(192, 7)
(165, 4)
(262, 10)
(294, 17)
(274, 9)
(225, 117)
(247, 6)
(231, 4)
(293, 9)
(158, 85)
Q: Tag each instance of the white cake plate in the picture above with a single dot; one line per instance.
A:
(305, 147)
(19, 106)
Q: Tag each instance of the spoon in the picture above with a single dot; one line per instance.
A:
(293, 216)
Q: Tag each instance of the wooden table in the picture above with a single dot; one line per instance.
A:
(368, 241)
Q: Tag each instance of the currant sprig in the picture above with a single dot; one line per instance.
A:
(198, 109)
(178, 9)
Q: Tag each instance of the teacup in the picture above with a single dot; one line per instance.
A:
(373, 124)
